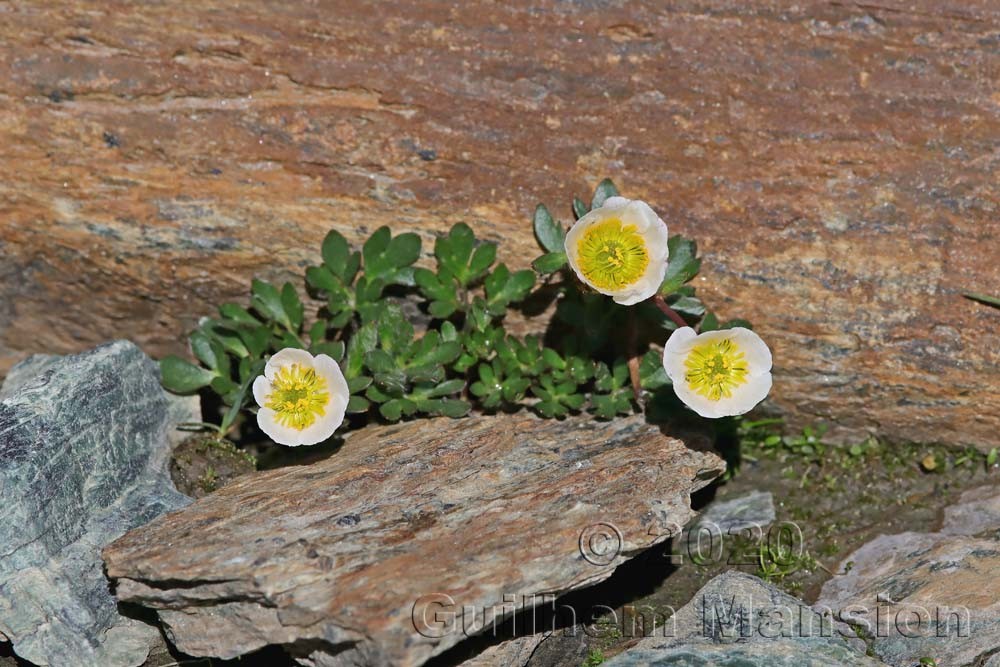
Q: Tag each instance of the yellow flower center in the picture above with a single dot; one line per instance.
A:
(612, 255)
(298, 396)
(715, 368)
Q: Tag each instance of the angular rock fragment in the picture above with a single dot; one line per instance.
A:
(84, 445)
(737, 620)
(929, 594)
(752, 511)
(410, 538)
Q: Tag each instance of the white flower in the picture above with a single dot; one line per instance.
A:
(620, 249)
(718, 373)
(302, 398)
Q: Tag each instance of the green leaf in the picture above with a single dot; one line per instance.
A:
(689, 305)
(317, 332)
(357, 404)
(238, 314)
(208, 351)
(447, 387)
(375, 246)
(452, 407)
(604, 191)
(549, 233)
(454, 252)
(358, 384)
(266, 300)
(983, 298)
(652, 375)
(380, 361)
(334, 350)
(738, 322)
(362, 342)
(403, 250)
(549, 263)
(392, 410)
(257, 340)
(683, 264)
(335, 252)
(292, 305)
(228, 337)
(503, 288)
(241, 396)
(182, 377)
(709, 323)
(323, 279)
(482, 259)
(580, 208)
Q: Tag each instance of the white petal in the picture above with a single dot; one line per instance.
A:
(675, 351)
(656, 237)
(325, 426)
(261, 390)
(614, 203)
(287, 357)
(702, 405)
(747, 396)
(328, 369)
(758, 355)
(283, 435)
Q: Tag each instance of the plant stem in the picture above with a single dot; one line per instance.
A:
(660, 303)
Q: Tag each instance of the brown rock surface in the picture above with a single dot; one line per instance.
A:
(836, 161)
(340, 559)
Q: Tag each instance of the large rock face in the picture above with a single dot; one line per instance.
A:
(84, 446)
(370, 556)
(837, 162)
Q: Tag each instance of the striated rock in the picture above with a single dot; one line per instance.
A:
(737, 620)
(84, 446)
(929, 594)
(369, 557)
(516, 652)
(837, 163)
(752, 512)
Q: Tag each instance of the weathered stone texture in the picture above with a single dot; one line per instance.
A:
(738, 620)
(84, 445)
(836, 161)
(359, 559)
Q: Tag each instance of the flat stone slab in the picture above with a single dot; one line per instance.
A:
(752, 511)
(84, 445)
(929, 594)
(370, 556)
(738, 620)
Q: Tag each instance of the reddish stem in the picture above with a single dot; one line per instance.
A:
(660, 303)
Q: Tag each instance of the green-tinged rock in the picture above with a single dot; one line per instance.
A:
(738, 620)
(84, 446)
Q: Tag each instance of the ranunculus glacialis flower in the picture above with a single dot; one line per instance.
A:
(718, 373)
(620, 249)
(302, 398)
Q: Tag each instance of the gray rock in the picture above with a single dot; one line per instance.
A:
(977, 511)
(923, 595)
(737, 620)
(84, 446)
(752, 511)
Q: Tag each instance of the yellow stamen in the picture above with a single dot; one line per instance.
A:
(612, 255)
(298, 396)
(715, 368)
